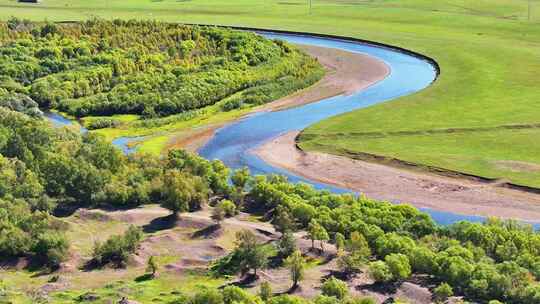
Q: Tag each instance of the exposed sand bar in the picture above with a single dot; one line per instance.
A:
(346, 72)
(400, 185)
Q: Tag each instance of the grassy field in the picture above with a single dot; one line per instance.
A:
(488, 50)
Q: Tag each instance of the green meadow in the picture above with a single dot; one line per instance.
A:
(488, 51)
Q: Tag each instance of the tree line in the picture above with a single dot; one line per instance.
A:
(149, 68)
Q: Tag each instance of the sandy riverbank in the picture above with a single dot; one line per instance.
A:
(399, 185)
(346, 72)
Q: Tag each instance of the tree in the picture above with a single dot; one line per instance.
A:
(218, 214)
(296, 264)
(340, 242)
(151, 266)
(253, 255)
(358, 253)
(359, 245)
(442, 292)
(265, 291)
(317, 232)
(283, 220)
(240, 179)
(286, 244)
(208, 296)
(335, 288)
(350, 263)
(380, 272)
(399, 266)
(182, 192)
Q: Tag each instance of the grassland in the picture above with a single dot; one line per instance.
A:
(489, 53)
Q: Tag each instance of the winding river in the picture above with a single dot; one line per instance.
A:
(233, 143)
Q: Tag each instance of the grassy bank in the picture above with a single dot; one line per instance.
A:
(488, 52)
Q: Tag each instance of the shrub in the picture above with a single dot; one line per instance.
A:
(399, 266)
(442, 292)
(228, 207)
(335, 288)
(51, 248)
(117, 248)
(380, 272)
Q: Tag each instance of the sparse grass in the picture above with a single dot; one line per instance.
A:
(166, 287)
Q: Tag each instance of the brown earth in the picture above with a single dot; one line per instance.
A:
(400, 185)
(346, 72)
(194, 241)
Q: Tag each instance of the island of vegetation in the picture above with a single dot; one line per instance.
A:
(152, 74)
(81, 222)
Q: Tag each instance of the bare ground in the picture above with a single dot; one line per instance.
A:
(403, 186)
(193, 241)
(346, 72)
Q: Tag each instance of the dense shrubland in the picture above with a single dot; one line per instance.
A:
(153, 69)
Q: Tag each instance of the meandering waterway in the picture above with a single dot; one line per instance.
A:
(234, 143)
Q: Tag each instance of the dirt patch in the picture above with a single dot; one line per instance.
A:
(400, 185)
(193, 141)
(346, 72)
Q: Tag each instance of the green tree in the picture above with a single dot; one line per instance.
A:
(152, 266)
(296, 264)
(265, 291)
(182, 192)
(228, 207)
(218, 214)
(52, 249)
(252, 255)
(442, 292)
(317, 232)
(339, 240)
(240, 179)
(286, 244)
(283, 220)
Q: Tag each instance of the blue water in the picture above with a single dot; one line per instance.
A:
(232, 144)
(123, 143)
(61, 121)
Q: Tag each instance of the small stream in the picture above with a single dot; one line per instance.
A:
(232, 144)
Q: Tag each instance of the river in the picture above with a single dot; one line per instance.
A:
(233, 143)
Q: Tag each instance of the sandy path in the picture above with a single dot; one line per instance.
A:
(346, 72)
(399, 185)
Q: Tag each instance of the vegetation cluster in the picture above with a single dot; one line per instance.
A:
(148, 68)
(47, 171)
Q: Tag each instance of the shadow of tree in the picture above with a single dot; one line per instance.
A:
(160, 223)
(206, 232)
(144, 277)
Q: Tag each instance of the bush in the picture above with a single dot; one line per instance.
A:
(117, 248)
(228, 207)
(380, 272)
(335, 288)
(52, 249)
(442, 292)
(102, 123)
(399, 266)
